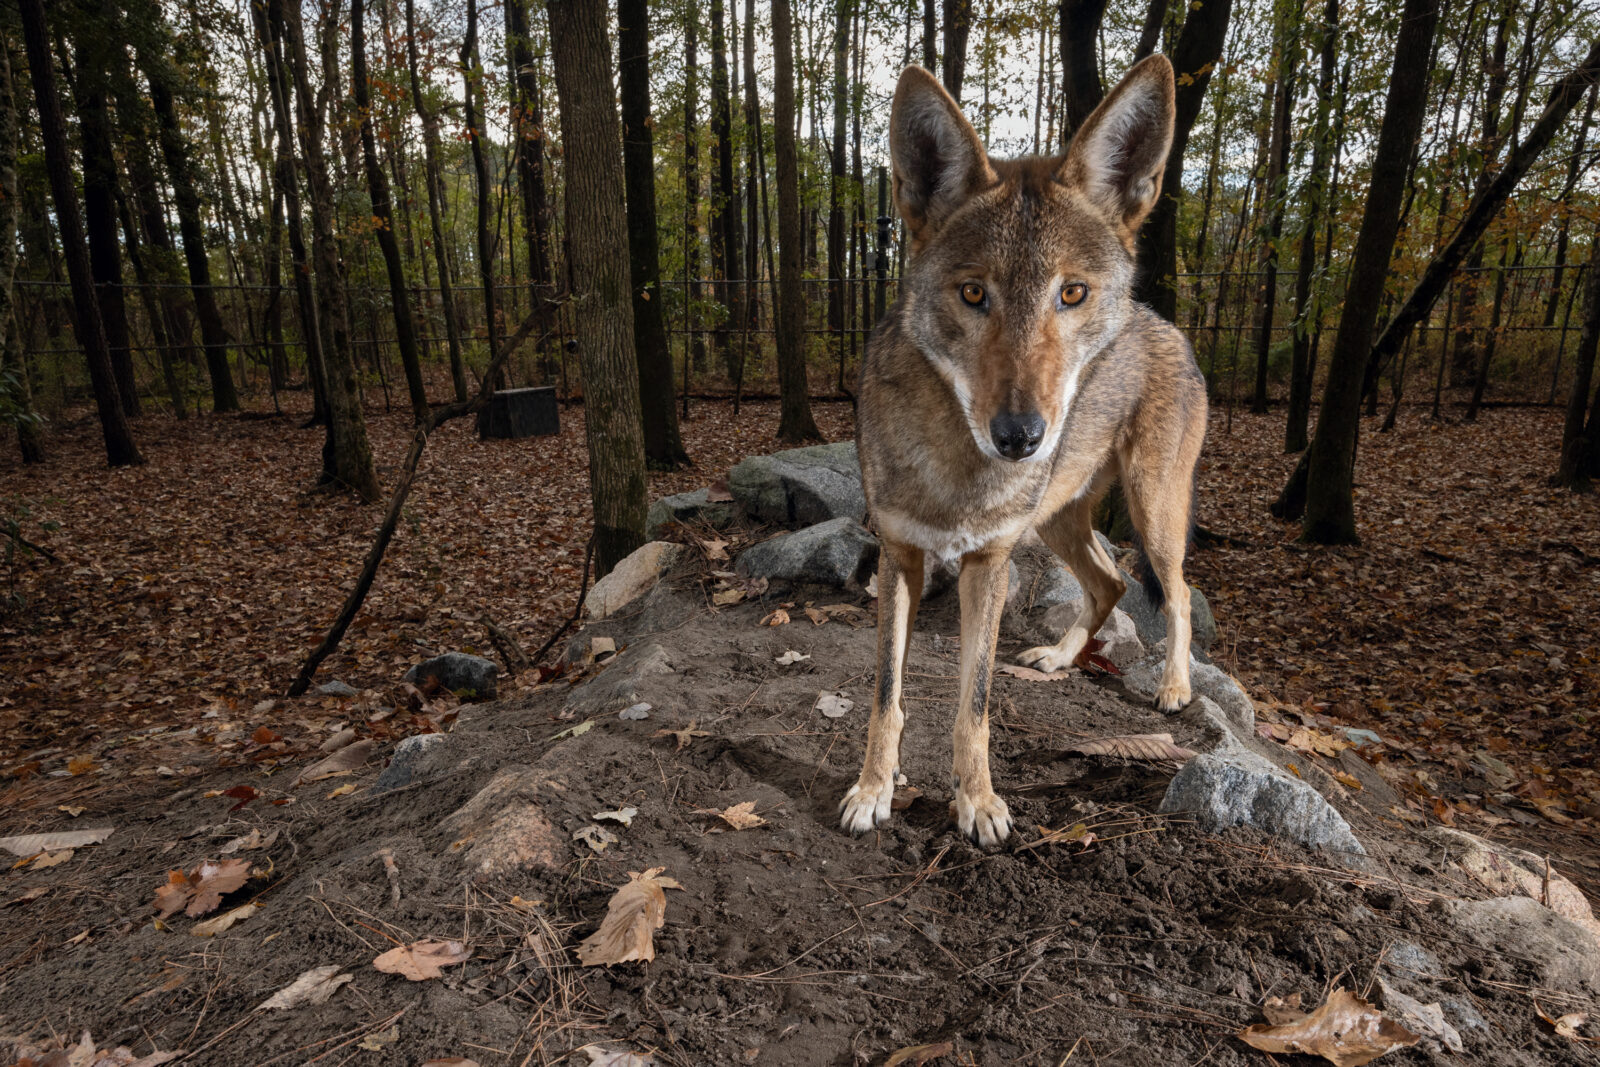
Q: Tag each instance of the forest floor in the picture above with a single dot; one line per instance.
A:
(141, 687)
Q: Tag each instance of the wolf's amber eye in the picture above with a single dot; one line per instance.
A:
(1073, 293)
(972, 294)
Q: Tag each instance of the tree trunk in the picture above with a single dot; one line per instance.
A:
(691, 185)
(596, 224)
(100, 193)
(29, 443)
(836, 171)
(346, 454)
(930, 38)
(180, 173)
(528, 131)
(120, 447)
(957, 25)
(434, 177)
(1316, 202)
(1155, 17)
(1080, 65)
(795, 423)
(1330, 469)
(1574, 172)
(663, 447)
(1194, 57)
(725, 238)
(1277, 193)
(472, 72)
(1576, 467)
(405, 332)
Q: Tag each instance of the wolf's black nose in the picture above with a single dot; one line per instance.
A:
(1016, 436)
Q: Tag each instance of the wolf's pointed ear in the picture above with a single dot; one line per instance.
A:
(938, 159)
(1118, 157)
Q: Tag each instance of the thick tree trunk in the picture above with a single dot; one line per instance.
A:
(1577, 467)
(180, 173)
(1080, 66)
(346, 453)
(795, 423)
(434, 177)
(663, 447)
(1194, 57)
(726, 243)
(100, 194)
(1330, 502)
(957, 25)
(29, 443)
(528, 129)
(405, 331)
(120, 447)
(596, 223)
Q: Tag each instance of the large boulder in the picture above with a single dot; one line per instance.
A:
(632, 578)
(838, 552)
(1152, 620)
(1511, 871)
(1235, 787)
(1562, 952)
(502, 831)
(696, 506)
(1205, 679)
(460, 673)
(801, 486)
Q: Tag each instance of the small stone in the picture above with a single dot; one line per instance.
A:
(838, 553)
(502, 831)
(336, 688)
(1237, 787)
(469, 676)
(631, 579)
(415, 759)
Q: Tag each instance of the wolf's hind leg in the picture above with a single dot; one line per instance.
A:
(1070, 535)
(899, 593)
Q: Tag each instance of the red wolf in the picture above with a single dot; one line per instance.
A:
(1012, 381)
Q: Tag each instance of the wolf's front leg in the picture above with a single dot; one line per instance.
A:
(899, 592)
(980, 815)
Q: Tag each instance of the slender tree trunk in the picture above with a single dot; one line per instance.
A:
(957, 25)
(1277, 192)
(930, 38)
(405, 331)
(29, 443)
(528, 131)
(434, 178)
(691, 184)
(598, 258)
(836, 171)
(472, 72)
(663, 447)
(180, 173)
(1080, 65)
(795, 423)
(1480, 378)
(1329, 494)
(1468, 342)
(1194, 57)
(1316, 202)
(1155, 17)
(120, 447)
(726, 243)
(1574, 172)
(346, 453)
(1576, 467)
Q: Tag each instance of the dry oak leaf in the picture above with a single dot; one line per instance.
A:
(422, 960)
(202, 889)
(224, 922)
(1345, 1030)
(1568, 1025)
(599, 1057)
(313, 987)
(739, 816)
(50, 859)
(345, 759)
(635, 913)
(254, 839)
(686, 735)
(817, 618)
(778, 617)
(917, 1055)
(32, 844)
(1152, 747)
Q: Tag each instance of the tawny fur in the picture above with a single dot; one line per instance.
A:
(1115, 384)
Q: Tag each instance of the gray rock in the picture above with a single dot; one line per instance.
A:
(1120, 636)
(939, 576)
(1405, 960)
(1205, 679)
(622, 683)
(415, 759)
(1236, 787)
(801, 486)
(694, 506)
(1564, 955)
(838, 552)
(1376, 792)
(459, 673)
(337, 688)
(1152, 621)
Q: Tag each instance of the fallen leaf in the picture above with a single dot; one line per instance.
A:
(817, 618)
(716, 548)
(1078, 833)
(450, 1061)
(50, 859)
(81, 765)
(917, 1055)
(634, 914)
(778, 617)
(224, 922)
(1568, 1025)
(343, 790)
(685, 736)
(1153, 747)
(244, 794)
(1280, 1010)
(596, 837)
(904, 797)
(739, 816)
(1016, 670)
(1345, 1030)
(1349, 781)
(636, 711)
(264, 736)
(345, 759)
(29, 896)
(254, 839)
(576, 730)
(622, 815)
(1427, 1020)
(312, 987)
(30, 844)
(718, 493)
(72, 810)
(727, 597)
(202, 889)
(833, 705)
(790, 658)
(599, 1057)
(377, 1042)
(422, 960)
(602, 646)
(338, 740)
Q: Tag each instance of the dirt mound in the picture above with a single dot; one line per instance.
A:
(1137, 939)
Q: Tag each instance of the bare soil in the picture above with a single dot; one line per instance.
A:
(790, 943)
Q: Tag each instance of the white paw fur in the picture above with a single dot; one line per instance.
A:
(984, 820)
(1056, 657)
(866, 805)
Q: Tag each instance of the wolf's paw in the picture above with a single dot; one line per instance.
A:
(1057, 657)
(1172, 696)
(866, 806)
(984, 820)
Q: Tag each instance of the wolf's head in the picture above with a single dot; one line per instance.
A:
(1020, 271)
